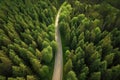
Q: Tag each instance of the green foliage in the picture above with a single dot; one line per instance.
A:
(44, 71)
(109, 58)
(103, 66)
(95, 76)
(15, 57)
(17, 78)
(36, 65)
(68, 66)
(115, 3)
(84, 73)
(5, 65)
(54, 46)
(116, 71)
(90, 32)
(20, 70)
(82, 76)
(93, 48)
(2, 78)
(47, 54)
(31, 77)
(71, 76)
(74, 41)
(38, 54)
(27, 40)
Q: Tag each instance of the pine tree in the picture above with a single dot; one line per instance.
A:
(95, 76)
(31, 77)
(74, 42)
(20, 71)
(44, 71)
(47, 54)
(5, 65)
(71, 76)
(15, 57)
(84, 73)
(36, 65)
(68, 66)
(109, 58)
(116, 72)
(54, 46)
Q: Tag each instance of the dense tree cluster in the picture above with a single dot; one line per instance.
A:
(90, 32)
(27, 44)
(91, 40)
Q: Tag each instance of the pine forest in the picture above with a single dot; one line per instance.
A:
(59, 39)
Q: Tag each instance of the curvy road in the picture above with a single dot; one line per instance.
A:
(58, 66)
